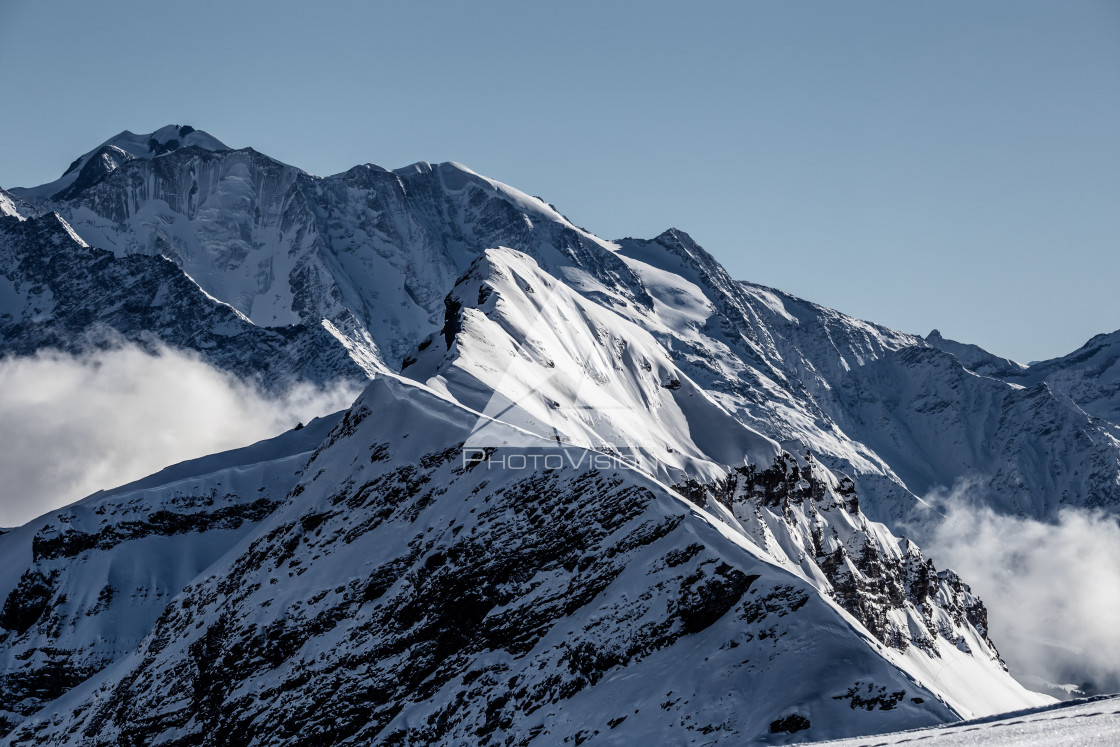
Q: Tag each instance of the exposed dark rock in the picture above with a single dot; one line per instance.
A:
(870, 697)
(452, 320)
(790, 724)
(69, 543)
(27, 602)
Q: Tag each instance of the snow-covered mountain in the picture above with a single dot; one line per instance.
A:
(403, 592)
(1089, 376)
(593, 490)
(370, 256)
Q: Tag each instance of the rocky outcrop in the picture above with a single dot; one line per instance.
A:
(800, 512)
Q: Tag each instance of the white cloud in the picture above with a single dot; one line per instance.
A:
(1052, 589)
(71, 425)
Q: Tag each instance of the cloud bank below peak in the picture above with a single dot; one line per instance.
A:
(75, 424)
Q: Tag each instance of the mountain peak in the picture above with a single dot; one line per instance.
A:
(92, 166)
(164, 140)
(676, 235)
(975, 358)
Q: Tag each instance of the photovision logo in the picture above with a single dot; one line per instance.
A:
(555, 415)
(559, 459)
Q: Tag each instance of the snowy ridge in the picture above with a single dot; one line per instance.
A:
(771, 359)
(519, 345)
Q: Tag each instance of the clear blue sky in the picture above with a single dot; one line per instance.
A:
(950, 164)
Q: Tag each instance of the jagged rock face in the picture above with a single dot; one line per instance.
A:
(809, 519)
(81, 587)
(62, 294)
(403, 594)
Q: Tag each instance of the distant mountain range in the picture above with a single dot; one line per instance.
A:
(594, 490)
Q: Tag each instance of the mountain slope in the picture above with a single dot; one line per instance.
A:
(1026, 451)
(1089, 376)
(401, 594)
(57, 292)
(82, 586)
(1090, 721)
(519, 346)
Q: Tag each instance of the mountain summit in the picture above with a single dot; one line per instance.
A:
(92, 167)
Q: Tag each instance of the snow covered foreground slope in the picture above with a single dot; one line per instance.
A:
(358, 265)
(406, 593)
(1095, 721)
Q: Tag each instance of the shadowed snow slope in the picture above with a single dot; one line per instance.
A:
(56, 292)
(1089, 376)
